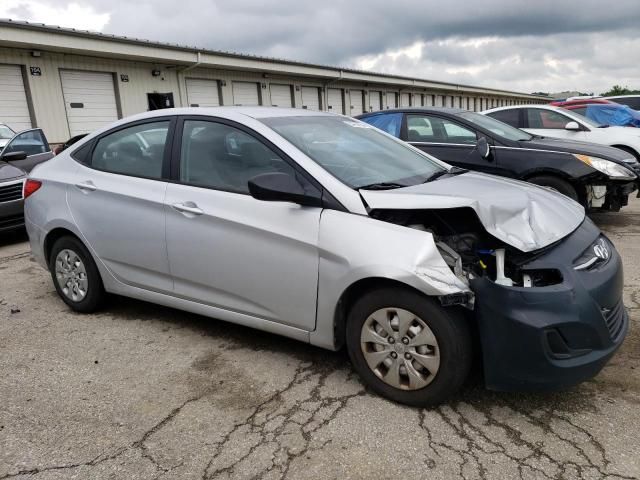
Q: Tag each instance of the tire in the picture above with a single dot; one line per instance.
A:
(557, 184)
(89, 292)
(453, 347)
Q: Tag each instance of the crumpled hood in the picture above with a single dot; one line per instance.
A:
(520, 214)
(8, 171)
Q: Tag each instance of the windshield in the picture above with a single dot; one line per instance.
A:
(587, 120)
(356, 153)
(496, 126)
(6, 132)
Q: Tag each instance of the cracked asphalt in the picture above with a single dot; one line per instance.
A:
(140, 391)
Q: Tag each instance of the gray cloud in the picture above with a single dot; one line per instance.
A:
(541, 45)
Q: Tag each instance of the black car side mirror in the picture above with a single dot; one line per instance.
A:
(13, 156)
(483, 147)
(282, 187)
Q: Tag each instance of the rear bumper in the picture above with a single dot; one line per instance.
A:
(547, 338)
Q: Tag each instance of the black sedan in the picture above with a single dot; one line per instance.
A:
(599, 177)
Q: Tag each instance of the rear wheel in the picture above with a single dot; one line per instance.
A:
(407, 348)
(557, 184)
(75, 275)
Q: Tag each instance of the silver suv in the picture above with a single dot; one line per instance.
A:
(324, 229)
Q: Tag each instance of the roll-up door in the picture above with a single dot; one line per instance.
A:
(311, 98)
(417, 99)
(334, 100)
(246, 93)
(405, 100)
(392, 100)
(14, 109)
(202, 93)
(356, 102)
(375, 101)
(281, 95)
(89, 99)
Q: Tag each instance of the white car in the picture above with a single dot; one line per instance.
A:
(549, 121)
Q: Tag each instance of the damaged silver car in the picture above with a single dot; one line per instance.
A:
(324, 229)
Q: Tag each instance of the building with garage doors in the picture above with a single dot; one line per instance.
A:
(70, 82)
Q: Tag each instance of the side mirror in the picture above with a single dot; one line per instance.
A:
(572, 126)
(13, 156)
(282, 187)
(483, 147)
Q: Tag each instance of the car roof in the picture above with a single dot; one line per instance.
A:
(624, 96)
(227, 112)
(449, 110)
(531, 105)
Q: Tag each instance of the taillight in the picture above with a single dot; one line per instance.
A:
(30, 186)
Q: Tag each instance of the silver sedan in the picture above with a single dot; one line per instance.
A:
(326, 230)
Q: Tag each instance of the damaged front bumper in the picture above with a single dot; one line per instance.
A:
(550, 337)
(612, 196)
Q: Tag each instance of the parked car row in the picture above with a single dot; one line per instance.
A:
(328, 230)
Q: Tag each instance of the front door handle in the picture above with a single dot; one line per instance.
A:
(87, 186)
(188, 207)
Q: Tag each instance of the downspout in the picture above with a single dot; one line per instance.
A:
(181, 81)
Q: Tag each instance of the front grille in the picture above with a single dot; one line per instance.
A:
(9, 223)
(9, 193)
(615, 319)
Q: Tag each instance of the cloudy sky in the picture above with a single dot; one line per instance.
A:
(541, 45)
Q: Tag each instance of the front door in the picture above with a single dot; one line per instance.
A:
(229, 250)
(447, 140)
(33, 143)
(117, 202)
(549, 123)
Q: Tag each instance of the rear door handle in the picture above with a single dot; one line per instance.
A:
(188, 207)
(87, 186)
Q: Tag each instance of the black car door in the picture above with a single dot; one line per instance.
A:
(447, 140)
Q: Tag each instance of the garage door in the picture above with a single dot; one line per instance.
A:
(245, 93)
(281, 95)
(375, 101)
(334, 100)
(14, 110)
(311, 98)
(356, 102)
(202, 93)
(416, 100)
(405, 100)
(89, 99)
(392, 99)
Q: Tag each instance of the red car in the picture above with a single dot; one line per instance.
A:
(580, 102)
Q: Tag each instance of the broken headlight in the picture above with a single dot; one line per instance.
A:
(611, 169)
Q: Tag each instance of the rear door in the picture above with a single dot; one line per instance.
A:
(33, 143)
(227, 249)
(117, 201)
(445, 139)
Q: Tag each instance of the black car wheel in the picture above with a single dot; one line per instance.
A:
(557, 184)
(408, 348)
(75, 275)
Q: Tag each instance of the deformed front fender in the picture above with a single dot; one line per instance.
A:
(357, 247)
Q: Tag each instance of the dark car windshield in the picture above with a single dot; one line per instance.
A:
(356, 153)
(496, 126)
(6, 133)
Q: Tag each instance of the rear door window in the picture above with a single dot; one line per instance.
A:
(510, 117)
(137, 151)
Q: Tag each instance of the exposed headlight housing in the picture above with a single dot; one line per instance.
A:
(611, 169)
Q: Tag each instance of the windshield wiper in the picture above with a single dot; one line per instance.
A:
(440, 173)
(382, 186)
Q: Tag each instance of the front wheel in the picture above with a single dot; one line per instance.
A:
(75, 275)
(408, 348)
(557, 184)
